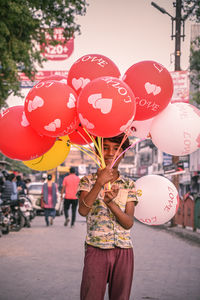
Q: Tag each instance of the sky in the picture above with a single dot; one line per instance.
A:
(127, 32)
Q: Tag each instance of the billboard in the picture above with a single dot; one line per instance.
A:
(181, 86)
(25, 82)
(61, 51)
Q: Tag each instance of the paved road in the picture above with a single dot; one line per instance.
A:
(46, 263)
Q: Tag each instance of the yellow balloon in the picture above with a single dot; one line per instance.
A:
(52, 158)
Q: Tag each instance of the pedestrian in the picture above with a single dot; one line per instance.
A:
(69, 188)
(49, 199)
(109, 214)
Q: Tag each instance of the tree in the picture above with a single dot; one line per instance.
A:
(192, 11)
(22, 29)
(195, 69)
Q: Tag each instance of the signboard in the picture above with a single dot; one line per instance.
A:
(181, 86)
(58, 52)
(167, 159)
(27, 83)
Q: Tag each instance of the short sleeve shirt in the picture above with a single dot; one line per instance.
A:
(70, 183)
(103, 230)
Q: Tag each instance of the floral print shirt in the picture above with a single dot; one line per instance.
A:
(103, 230)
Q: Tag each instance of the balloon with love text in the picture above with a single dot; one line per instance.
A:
(176, 130)
(158, 200)
(89, 67)
(152, 86)
(50, 107)
(106, 107)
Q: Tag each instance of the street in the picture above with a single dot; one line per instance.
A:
(46, 263)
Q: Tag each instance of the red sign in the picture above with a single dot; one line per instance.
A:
(60, 51)
(181, 86)
(27, 83)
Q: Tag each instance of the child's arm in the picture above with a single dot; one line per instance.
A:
(124, 218)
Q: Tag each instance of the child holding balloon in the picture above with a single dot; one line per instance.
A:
(109, 212)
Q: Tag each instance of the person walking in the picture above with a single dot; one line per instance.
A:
(109, 214)
(49, 199)
(69, 188)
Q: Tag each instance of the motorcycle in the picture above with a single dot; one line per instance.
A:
(27, 209)
(4, 218)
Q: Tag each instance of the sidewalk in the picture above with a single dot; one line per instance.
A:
(184, 233)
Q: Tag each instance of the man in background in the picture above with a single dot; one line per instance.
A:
(69, 188)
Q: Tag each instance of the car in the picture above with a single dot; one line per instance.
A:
(34, 191)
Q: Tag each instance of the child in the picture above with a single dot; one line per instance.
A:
(109, 251)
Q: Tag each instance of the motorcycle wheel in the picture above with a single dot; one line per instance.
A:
(5, 230)
(20, 221)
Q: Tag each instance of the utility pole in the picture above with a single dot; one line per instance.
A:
(177, 67)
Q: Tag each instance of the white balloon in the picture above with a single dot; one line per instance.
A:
(158, 200)
(176, 130)
(141, 129)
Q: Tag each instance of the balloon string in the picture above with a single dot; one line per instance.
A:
(80, 148)
(100, 152)
(96, 146)
(115, 156)
(91, 151)
(85, 139)
(127, 150)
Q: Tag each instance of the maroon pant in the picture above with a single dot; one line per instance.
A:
(102, 266)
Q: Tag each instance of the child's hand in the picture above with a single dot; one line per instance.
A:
(104, 175)
(111, 194)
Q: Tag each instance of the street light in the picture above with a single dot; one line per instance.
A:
(179, 21)
(162, 10)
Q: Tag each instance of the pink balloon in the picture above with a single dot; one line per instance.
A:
(106, 106)
(50, 107)
(141, 129)
(152, 86)
(18, 140)
(158, 200)
(176, 130)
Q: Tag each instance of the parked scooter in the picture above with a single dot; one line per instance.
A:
(27, 209)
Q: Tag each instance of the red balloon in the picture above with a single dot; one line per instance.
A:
(50, 107)
(89, 67)
(18, 140)
(79, 136)
(152, 86)
(106, 106)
